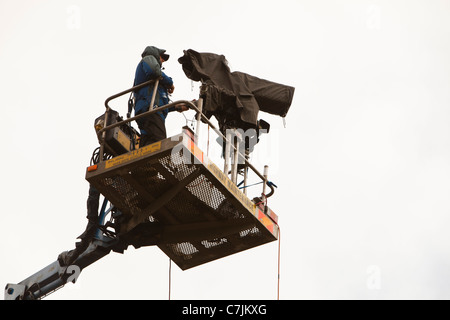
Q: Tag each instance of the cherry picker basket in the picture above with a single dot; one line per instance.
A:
(171, 195)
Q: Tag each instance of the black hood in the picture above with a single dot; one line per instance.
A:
(155, 52)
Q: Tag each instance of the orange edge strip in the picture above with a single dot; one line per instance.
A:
(92, 168)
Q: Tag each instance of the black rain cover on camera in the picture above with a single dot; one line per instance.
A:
(234, 98)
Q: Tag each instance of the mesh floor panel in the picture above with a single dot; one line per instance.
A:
(202, 222)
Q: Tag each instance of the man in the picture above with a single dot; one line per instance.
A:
(152, 130)
(153, 127)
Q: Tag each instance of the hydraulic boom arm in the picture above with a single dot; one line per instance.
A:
(55, 276)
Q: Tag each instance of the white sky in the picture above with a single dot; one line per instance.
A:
(362, 167)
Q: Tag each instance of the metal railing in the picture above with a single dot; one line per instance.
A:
(200, 116)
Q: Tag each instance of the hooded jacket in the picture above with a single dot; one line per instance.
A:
(150, 68)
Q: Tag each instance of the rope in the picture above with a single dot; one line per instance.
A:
(269, 183)
(264, 202)
(187, 121)
(170, 277)
(207, 149)
(279, 262)
(251, 185)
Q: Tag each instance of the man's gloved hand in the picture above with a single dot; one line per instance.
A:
(181, 107)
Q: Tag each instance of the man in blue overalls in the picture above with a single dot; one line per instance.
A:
(153, 127)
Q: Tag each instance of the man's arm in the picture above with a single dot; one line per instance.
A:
(151, 67)
(167, 82)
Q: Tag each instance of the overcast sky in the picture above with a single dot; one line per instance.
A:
(362, 166)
